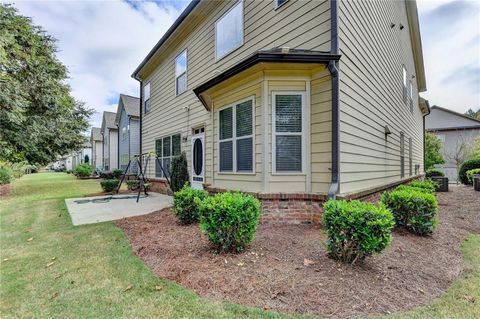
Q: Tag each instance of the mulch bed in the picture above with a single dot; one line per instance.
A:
(274, 273)
(4, 190)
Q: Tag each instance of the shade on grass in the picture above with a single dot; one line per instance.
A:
(90, 271)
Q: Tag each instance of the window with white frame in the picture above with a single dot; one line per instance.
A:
(229, 31)
(236, 142)
(410, 100)
(404, 92)
(146, 98)
(124, 133)
(288, 130)
(279, 3)
(181, 73)
(166, 148)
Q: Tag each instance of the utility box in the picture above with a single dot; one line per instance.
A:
(441, 183)
(476, 182)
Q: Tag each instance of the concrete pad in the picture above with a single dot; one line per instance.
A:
(85, 211)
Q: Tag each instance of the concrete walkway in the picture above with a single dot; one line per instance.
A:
(84, 211)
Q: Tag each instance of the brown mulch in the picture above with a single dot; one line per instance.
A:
(287, 269)
(4, 190)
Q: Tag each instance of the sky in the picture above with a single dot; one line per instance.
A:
(102, 42)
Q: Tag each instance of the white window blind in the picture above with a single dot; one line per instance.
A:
(236, 137)
(288, 115)
(229, 31)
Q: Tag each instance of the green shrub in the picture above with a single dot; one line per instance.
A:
(5, 175)
(106, 175)
(356, 229)
(117, 173)
(134, 184)
(109, 185)
(409, 187)
(470, 174)
(186, 204)
(412, 209)
(465, 167)
(83, 170)
(230, 220)
(426, 184)
(179, 172)
(434, 172)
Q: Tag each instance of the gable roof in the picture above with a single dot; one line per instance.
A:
(442, 118)
(474, 121)
(95, 134)
(108, 121)
(131, 104)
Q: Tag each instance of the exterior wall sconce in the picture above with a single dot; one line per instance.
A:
(392, 25)
(387, 131)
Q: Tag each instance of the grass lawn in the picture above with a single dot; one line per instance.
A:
(51, 269)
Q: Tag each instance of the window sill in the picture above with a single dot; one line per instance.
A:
(288, 174)
(228, 53)
(237, 173)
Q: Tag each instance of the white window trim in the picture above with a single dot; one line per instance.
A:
(149, 98)
(275, 3)
(303, 133)
(186, 73)
(124, 137)
(243, 31)
(160, 178)
(234, 138)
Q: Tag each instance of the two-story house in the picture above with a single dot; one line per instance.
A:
(109, 133)
(128, 122)
(96, 141)
(289, 100)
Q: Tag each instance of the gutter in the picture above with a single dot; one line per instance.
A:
(334, 72)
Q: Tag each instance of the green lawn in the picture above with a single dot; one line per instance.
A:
(51, 269)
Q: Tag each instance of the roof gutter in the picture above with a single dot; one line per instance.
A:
(334, 72)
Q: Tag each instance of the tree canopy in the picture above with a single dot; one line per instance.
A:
(473, 114)
(433, 154)
(39, 118)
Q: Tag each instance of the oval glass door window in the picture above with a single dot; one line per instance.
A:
(198, 157)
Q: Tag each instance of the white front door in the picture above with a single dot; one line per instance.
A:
(198, 159)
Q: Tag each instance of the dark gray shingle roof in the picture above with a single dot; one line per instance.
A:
(95, 134)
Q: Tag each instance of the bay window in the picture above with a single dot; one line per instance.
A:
(236, 137)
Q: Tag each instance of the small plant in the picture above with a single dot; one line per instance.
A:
(470, 174)
(106, 175)
(412, 209)
(117, 173)
(230, 220)
(434, 173)
(109, 185)
(418, 189)
(465, 167)
(5, 175)
(179, 172)
(186, 204)
(426, 184)
(134, 184)
(83, 170)
(356, 229)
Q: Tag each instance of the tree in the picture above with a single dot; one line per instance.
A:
(39, 118)
(433, 147)
(473, 114)
(476, 149)
(179, 172)
(461, 151)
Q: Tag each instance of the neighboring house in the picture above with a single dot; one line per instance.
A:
(78, 157)
(128, 123)
(109, 133)
(311, 97)
(457, 133)
(97, 147)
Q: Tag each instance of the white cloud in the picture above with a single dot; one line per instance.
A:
(451, 48)
(102, 42)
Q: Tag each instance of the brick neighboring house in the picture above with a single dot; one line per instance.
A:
(292, 101)
(457, 133)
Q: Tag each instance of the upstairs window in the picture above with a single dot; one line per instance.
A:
(236, 137)
(166, 148)
(146, 98)
(288, 132)
(124, 133)
(279, 3)
(181, 73)
(229, 31)
(404, 85)
(410, 100)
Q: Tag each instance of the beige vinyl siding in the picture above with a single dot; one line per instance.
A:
(373, 55)
(300, 24)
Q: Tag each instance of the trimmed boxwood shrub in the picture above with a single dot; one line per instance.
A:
(470, 174)
(134, 184)
(186, 204)
(230, 220)
(412, 209)
(117, 173)
(109, 185)
(434, 172)
(83, 170)
(356, 229)
(426, 184)
(5, 176)
(465, 167)
(419, 189)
